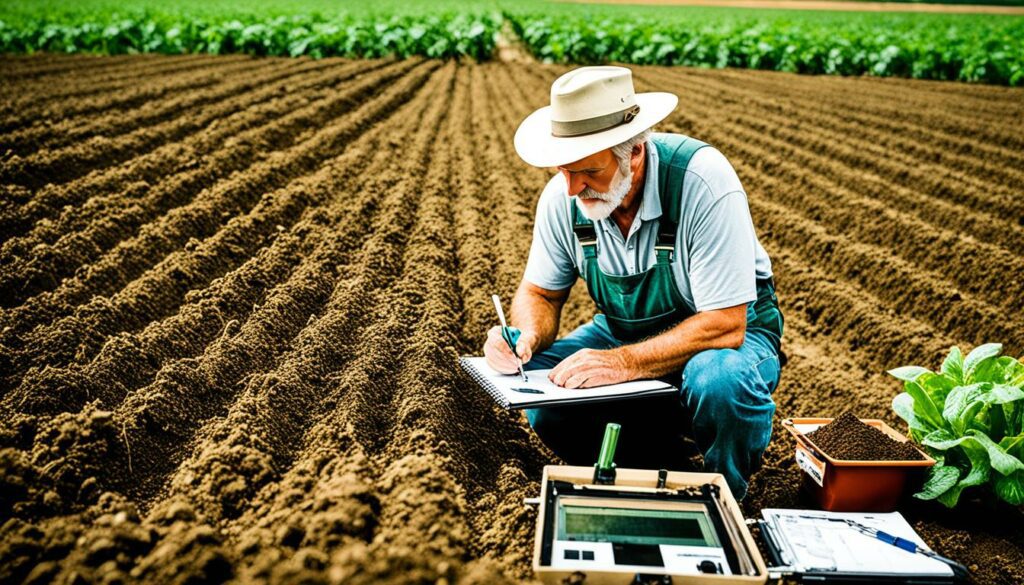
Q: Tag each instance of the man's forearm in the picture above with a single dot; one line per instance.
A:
(534, 313)
(669, 351)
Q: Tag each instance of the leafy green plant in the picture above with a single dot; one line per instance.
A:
(970, 417)
(963, 49)
(448, 35)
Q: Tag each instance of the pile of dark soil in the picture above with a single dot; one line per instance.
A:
(847, 438)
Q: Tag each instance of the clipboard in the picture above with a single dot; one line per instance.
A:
(807, 546)
(512, 393)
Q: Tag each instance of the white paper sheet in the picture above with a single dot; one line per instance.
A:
(814, 543)
(508, 384)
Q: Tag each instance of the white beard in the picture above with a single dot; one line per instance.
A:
(602, 205)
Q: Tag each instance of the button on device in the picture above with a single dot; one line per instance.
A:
(707, 566)
(574, 555)
(588, 555)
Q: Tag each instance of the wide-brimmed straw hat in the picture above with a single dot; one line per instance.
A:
(592, 108)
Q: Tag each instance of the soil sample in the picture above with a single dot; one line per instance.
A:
(847, 438)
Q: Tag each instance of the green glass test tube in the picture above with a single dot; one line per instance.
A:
(606, 458)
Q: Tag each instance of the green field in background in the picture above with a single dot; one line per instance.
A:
(967, 47)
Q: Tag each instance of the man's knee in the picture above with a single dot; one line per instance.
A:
(715, 374)
(723, 385)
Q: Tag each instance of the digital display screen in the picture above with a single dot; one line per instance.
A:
(635, 526)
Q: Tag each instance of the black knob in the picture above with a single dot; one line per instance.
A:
(707, 566)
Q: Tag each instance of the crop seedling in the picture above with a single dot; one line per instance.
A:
(970, 417)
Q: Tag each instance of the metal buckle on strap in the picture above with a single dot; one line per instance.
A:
(667, 248)
(585, 233)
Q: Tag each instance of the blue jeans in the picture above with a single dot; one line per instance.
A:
(725, 404)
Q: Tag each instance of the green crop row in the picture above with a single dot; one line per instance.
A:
(440, 36)
(964, 48)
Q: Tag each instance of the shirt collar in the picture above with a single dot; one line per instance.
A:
(650, 207)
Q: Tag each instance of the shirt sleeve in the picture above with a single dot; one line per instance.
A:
(722, 254)
(550, 264)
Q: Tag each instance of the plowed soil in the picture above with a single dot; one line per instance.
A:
(233, 291)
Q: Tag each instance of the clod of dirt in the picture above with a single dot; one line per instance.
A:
(847, 438)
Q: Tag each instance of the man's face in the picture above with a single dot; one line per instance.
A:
(597, 171)
(598, 183)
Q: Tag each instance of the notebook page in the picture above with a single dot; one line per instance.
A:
(512, 386)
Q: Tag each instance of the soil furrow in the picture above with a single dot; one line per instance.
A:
(474, 222)
(515, 211)
(20, 67)
(247, 111)
(902, 286)
(114, 68)
(194, 91)
(932, 123)
(107, 79)
(297, 377)
(64, 164)
(497, 481)
(958, 108)
(29, 266)
(884, 338)
(219, 370)
(423, 296)
(81, 334)
(947, 169)
(131, 257)
(130, 360)
(299, 387)
(149, 85)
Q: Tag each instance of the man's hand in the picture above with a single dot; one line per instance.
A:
(500, 357)
(588, 368)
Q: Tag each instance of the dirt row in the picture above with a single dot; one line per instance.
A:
(243, 367)
(131, 85)
(63, 164)
(192, 88)
(33, 264)
(152, 293)
(252, 110)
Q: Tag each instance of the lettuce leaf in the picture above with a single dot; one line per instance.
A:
(969, 417)
(941, 478)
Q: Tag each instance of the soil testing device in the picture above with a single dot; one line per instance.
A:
(604, 525)
(607, 525)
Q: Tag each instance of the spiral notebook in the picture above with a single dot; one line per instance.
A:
(511, 392)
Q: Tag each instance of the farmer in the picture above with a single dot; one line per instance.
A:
(659, 228)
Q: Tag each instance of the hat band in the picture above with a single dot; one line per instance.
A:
(595, 124)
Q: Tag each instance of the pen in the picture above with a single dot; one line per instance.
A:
(897, 541)
(902, 543)
(505, 335)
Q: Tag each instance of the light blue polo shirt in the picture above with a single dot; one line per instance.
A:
(717, 254)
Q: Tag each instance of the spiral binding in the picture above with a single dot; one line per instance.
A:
(484, 383)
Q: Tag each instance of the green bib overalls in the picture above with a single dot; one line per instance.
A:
(725, 401)
(645, 304)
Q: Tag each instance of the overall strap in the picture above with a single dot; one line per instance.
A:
(674, 154)
(585, 233)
